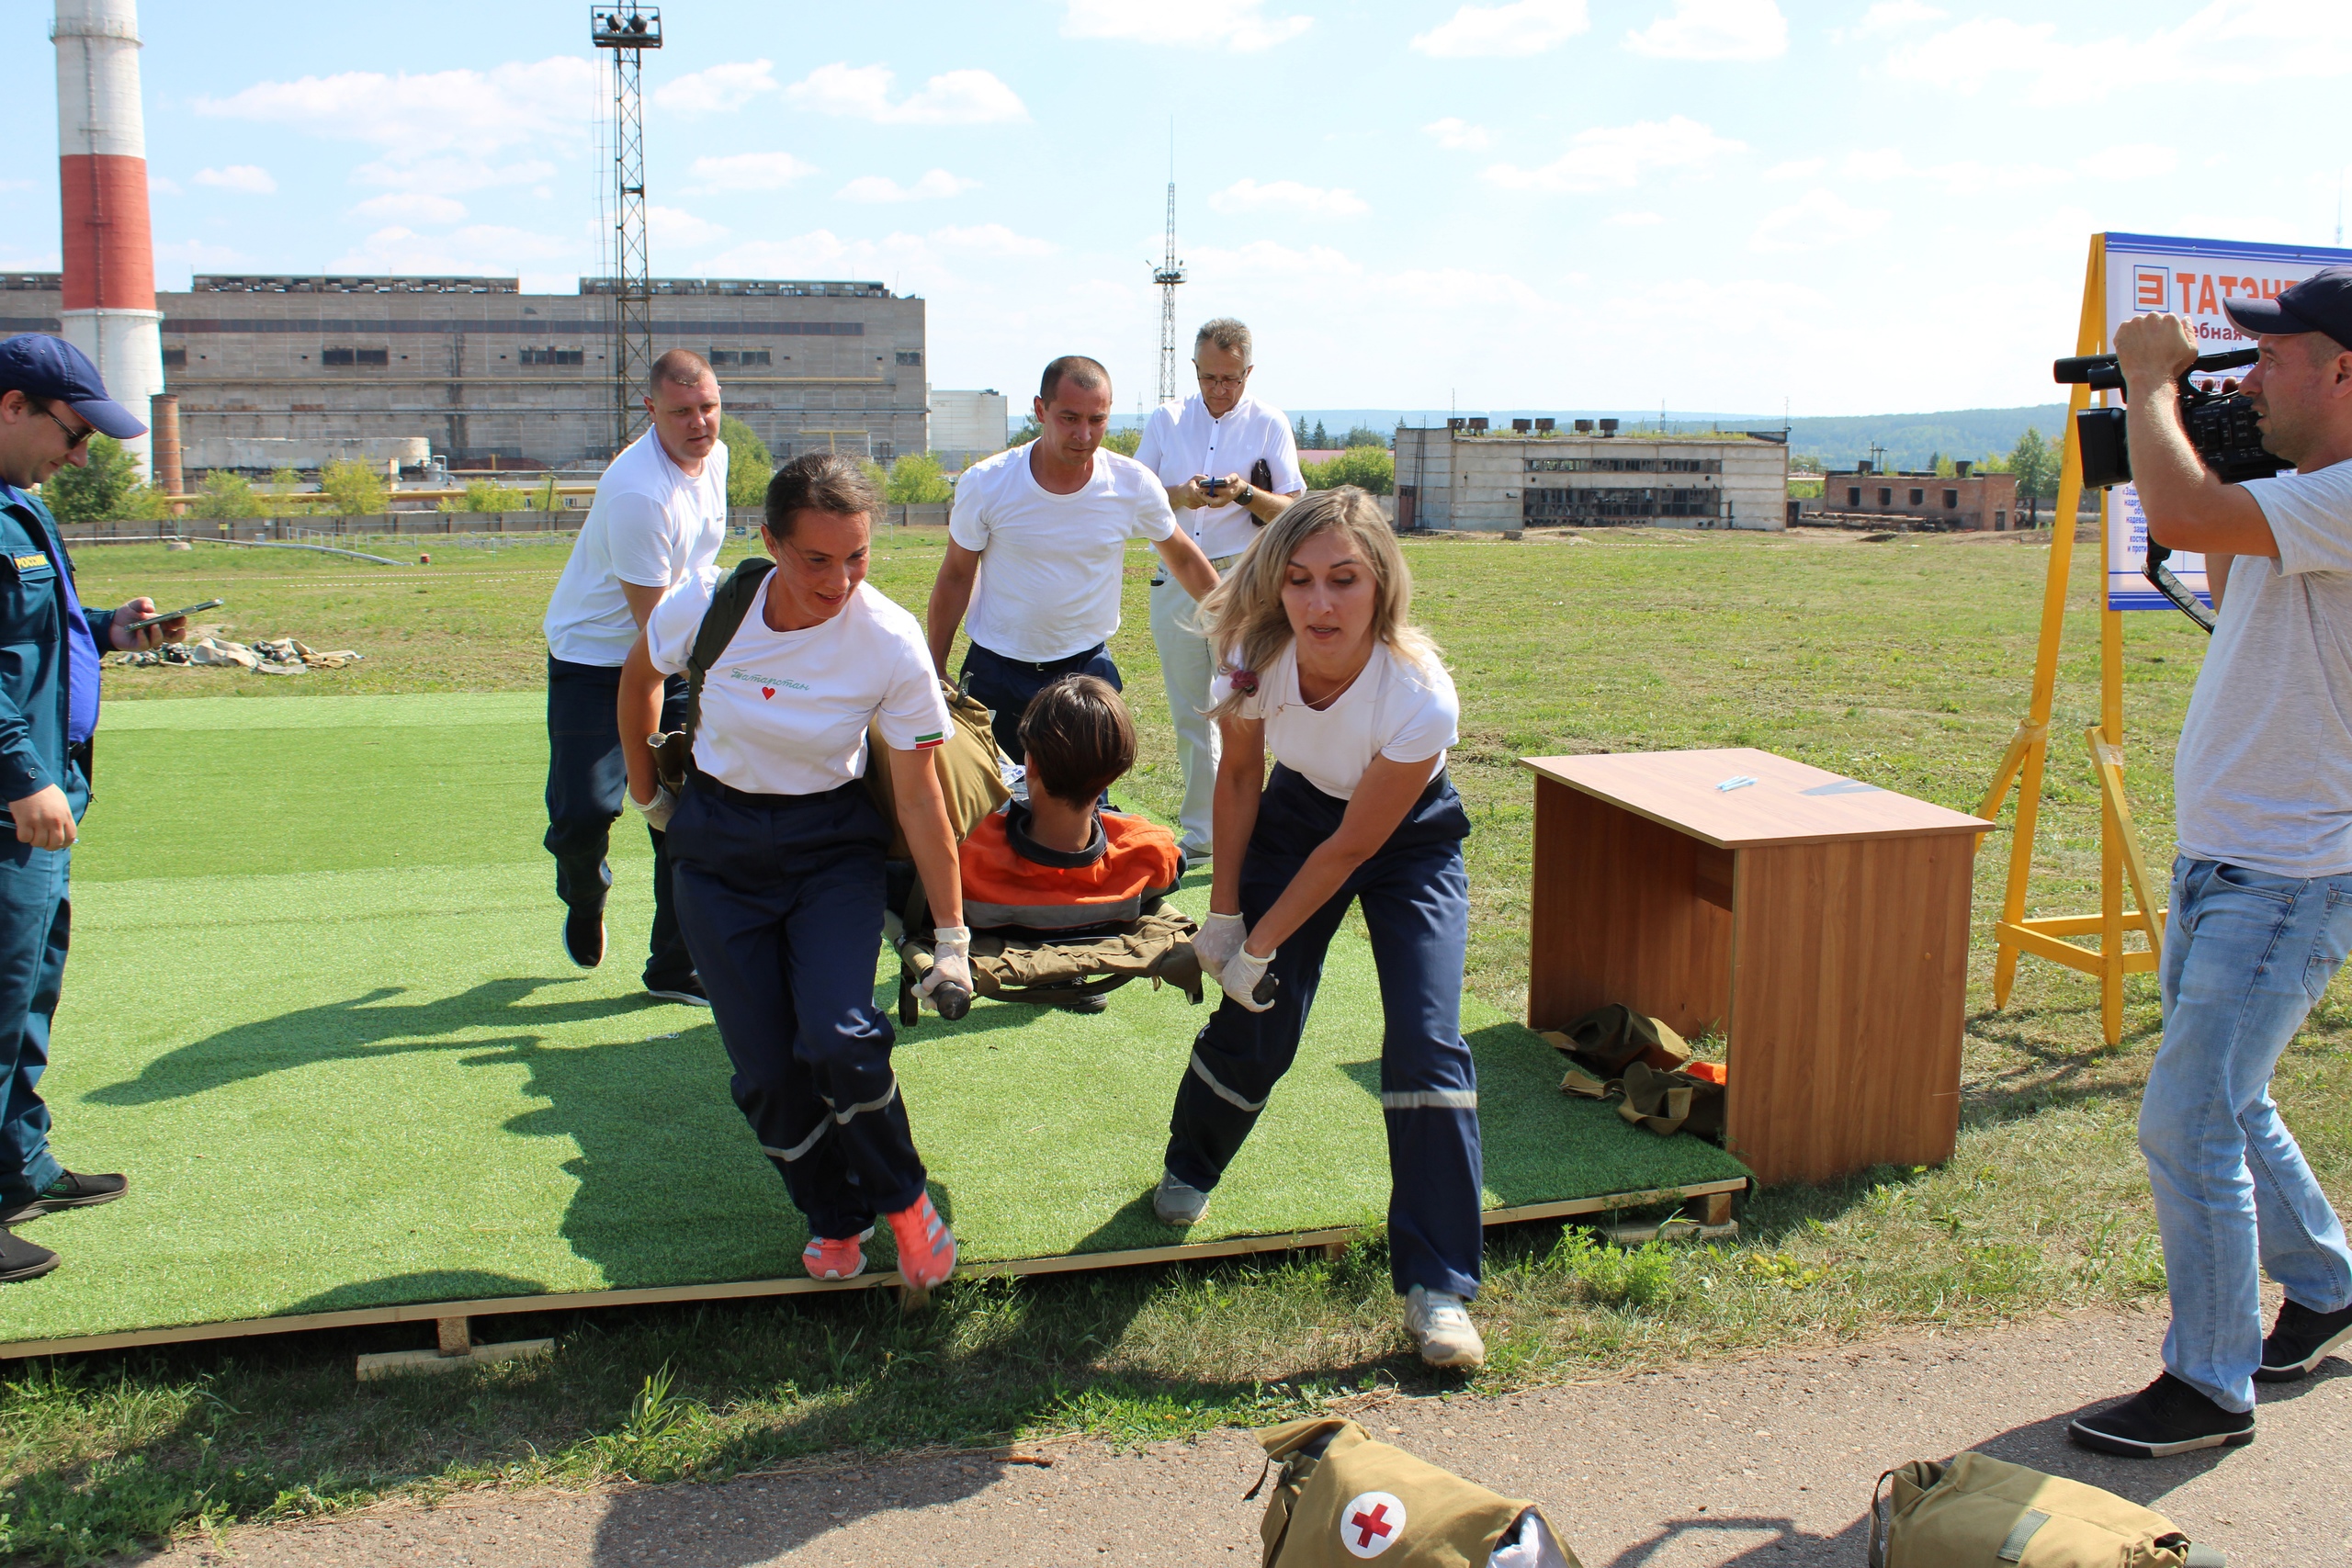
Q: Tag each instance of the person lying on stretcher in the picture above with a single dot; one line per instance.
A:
(1063, 864)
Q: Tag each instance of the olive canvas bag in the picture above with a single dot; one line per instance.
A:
(1975, 1512)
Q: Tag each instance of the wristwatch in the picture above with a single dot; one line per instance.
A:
(1248, 494)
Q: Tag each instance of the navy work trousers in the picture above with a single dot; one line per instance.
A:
(36, 923)
(588, 786)
(1415, 898)
(1007, 685)
(780, 897)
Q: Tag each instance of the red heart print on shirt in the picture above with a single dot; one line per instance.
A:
(767, 690)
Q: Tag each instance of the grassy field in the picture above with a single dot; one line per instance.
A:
(1903, 663)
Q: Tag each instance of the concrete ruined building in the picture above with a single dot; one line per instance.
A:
(1534, 475)
(105, 302)
(1963, 499)
(487, 376)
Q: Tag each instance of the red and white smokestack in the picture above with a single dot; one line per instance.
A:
(110, 309)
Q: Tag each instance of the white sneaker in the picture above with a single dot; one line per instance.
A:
(1442, 1329)
(1176, 1203)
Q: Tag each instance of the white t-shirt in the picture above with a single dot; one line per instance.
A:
(1394, 709)
(2262, 775)
(651, 525)
(1180, 440)
(1050, 564)
(784, 712)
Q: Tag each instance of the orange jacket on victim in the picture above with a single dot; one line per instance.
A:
(1011, 880)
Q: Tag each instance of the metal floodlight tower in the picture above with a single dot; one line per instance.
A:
(629, 30)
(1167, 275)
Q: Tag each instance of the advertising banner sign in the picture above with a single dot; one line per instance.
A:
(2191, 278)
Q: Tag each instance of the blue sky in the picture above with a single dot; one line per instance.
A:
(1725, 204)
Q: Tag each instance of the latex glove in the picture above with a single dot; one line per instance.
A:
(657, 811)
(1217, 942)
(1240, 978)
(950, 960)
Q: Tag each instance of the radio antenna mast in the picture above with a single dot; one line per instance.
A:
(629, 30)
(1167, 275)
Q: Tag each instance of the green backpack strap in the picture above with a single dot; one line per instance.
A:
(733, 599)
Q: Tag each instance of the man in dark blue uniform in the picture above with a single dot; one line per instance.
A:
(51, 401)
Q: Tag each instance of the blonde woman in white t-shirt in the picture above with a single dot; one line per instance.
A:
(776, 851)
(1321, 668)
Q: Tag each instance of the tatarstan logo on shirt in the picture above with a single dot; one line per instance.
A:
(767, 683)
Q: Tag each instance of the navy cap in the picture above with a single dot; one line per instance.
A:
(40, 366)
(2320, 303)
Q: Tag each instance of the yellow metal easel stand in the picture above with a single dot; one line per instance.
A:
(2029, 751)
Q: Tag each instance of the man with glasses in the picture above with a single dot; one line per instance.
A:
(52, 403)
(1230, 467)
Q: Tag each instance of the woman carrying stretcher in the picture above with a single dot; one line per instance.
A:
(776, 851)
(1320, 666)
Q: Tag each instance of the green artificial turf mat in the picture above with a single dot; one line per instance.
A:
(347, 1066)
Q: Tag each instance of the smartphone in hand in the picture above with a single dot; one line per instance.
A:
(158, 619)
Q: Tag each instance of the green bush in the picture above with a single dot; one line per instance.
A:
(915, 480)
(485, 495)
(1123, 442)
(749, 463)
(1368, 468)
(108, 489)
(356, 488)
(225, 495)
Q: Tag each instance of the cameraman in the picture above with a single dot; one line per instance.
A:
(2262, 885)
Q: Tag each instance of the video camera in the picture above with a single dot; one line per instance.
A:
(2220, 425)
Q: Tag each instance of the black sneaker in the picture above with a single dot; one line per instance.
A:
(2166, 1417)
(68, 1191)
(2300, 1340)
(688, 990)
(1085, 1005)
(583, 937)
(20, 1260)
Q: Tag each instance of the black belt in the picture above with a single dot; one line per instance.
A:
(724, 791)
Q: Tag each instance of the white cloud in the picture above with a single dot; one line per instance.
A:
(481, 250)
(953, 97)
(1633, 219)
(409, 207)
(672, 226)
(245, 178)
(452, 172)
(1458, 135)
(1964, 176)
(747, 171)
(477, 112)
(1715, 29)
(1617, 157)
(924, 262)
(935, 184)
(157, 185)
(2242, 43)
(1820, 220)
(2132, 161)
(1797, 169)
(1894, 17)
(718, 89)
(1289, 197)
(1526, 27)
(1241, 26)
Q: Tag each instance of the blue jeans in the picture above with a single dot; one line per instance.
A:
(2246, 953)
(587, 784)
(1007, 685)
(36, 924)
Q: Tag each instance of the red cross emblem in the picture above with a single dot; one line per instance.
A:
(1372, 1523)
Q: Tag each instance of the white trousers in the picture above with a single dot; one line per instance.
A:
(1186, 667)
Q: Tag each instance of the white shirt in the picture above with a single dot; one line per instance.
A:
(1050, 565)
(651, 525)
(1180, 440)
(2262, 775)
(786, 712)
(1393, 709)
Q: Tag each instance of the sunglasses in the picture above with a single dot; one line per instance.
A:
(73, 437)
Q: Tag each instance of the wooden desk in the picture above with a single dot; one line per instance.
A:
(1821, 923)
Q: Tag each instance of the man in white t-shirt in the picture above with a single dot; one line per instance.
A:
(657, 520)
(1231, 467)
(1037, 547)
(2261, 911)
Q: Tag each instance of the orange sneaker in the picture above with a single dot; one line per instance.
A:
(926, 1247)
(843, 1259)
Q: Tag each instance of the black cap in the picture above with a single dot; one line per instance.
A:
(40, 366)
(2320, 303)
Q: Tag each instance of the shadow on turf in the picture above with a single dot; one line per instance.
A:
(361, 1026)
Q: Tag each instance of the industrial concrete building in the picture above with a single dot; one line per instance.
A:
(1461, 474)
(968, 425)
(1963, 499)
(485, 373)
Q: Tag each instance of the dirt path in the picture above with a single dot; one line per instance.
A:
(1757, 1463)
